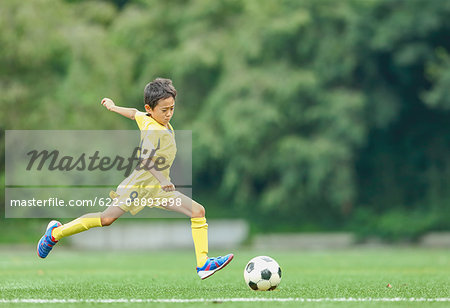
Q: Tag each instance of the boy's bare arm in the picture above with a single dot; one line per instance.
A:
(126, 112)
(166, 185)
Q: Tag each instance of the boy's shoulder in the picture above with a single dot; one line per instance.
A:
(146, 122)
(140, 113)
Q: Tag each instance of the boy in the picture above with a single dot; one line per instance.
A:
(147, 182)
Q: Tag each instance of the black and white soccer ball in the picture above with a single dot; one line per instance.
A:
(262, 274)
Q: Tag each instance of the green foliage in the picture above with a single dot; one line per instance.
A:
(397, 224)
(302, 111)
(439, 73)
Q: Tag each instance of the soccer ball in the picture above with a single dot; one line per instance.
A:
(262, 274)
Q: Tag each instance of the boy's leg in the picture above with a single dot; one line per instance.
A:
(55, 231)
(78, 225)
(199, 226)
(200, 237)
(205, 267)
(87, 222)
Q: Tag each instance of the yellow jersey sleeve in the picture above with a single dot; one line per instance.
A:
(141, 120)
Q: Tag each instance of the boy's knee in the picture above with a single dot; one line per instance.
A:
(107, 221)
(198, 211)
(110, 215)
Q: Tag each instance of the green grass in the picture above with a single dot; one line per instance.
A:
(67, 274)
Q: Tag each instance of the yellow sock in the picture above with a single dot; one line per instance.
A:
(78, 225)
(200, 237)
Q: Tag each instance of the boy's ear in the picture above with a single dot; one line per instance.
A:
(147, 107)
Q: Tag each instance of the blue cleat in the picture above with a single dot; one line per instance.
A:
(213, 265)
(47, 241)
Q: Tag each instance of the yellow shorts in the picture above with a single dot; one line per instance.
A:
(135, 198)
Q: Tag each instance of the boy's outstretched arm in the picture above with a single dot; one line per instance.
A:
(126, 112)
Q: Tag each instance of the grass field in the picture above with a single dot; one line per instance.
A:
(323, 277)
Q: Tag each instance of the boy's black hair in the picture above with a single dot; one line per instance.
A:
(160, 88)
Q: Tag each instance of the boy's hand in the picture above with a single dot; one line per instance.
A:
(108, 103)
(167, 186)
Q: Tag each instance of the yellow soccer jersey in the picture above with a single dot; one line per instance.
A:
(156, 141)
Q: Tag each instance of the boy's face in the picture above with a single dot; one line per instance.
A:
(163, 110)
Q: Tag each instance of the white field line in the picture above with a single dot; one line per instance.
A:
(209, 300)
